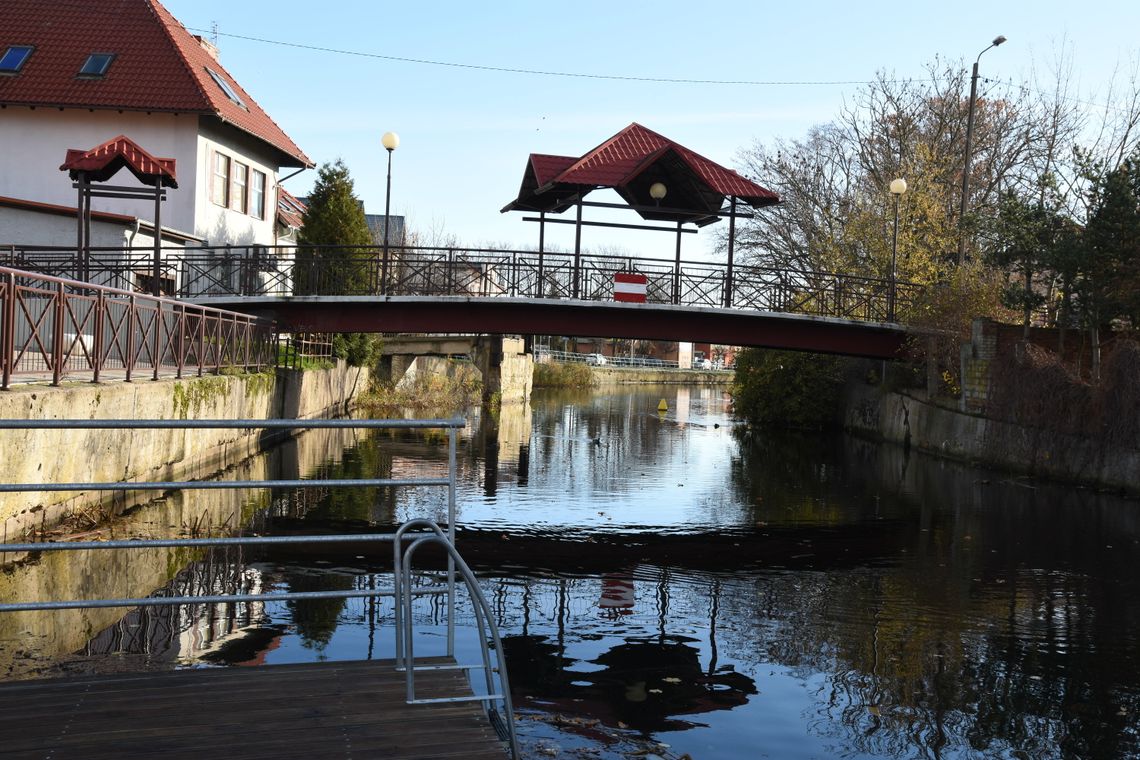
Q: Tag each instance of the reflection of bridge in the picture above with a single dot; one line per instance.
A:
(414, 289)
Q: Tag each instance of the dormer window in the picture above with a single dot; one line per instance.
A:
(96, 65)
(225, 87)
(14, 58)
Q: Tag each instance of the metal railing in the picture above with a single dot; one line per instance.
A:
(488, 272)
(543, 353)
(405, 544)
(55, 328)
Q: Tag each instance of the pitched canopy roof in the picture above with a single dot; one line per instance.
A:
(630, 162)
(157, 66)
(104, 161)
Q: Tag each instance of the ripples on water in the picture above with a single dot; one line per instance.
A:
(778, 596)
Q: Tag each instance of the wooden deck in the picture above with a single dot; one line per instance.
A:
(277, 712)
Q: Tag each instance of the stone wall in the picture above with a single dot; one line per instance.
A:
(78, 455)
(630, 375)
(904, 419)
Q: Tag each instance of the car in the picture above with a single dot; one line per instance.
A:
(595, 360)
(703, 364)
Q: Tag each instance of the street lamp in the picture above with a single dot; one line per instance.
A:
(966, 166)
(390, 141)
(657, 192)
(898, 187)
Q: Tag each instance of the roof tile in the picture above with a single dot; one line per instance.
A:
(158, 65)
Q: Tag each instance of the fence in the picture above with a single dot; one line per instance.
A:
(56, 328)
(488, 272)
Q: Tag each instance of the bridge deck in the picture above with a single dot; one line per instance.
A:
(325, 710)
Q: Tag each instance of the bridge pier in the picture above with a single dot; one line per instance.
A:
(505, 364)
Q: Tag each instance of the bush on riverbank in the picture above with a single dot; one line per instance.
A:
(790, 389)
(447, 393)
(558, 375)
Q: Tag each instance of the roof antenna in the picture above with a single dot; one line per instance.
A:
(214, 33)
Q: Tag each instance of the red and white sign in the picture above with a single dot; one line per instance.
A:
(629, 287)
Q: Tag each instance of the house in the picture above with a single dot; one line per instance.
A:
(75, 75)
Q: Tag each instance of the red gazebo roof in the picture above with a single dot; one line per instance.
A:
(629, 162)
(104, 161)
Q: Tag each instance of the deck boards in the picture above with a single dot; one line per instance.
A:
(348, 710)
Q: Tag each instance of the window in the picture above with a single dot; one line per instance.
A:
(257, 195)
(220, 189)
(96, 65)
(239, 182)
(14, 58)
(225, 87)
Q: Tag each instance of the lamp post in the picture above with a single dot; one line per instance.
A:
(390, 141)
(898, 187)
(966, 165)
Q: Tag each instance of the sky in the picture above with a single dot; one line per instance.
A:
(465, 133)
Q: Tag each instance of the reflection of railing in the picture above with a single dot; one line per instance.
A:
(59, 328)
(490, 272)
(405, 586)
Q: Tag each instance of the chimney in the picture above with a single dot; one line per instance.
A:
(207, 46)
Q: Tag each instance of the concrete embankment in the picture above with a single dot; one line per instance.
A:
(78, 455)
(963, 436)
(647, 375)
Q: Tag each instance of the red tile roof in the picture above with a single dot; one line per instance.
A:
(103, 161)
(622, 157)
(290, 210)
(158, 65)
(628, 162)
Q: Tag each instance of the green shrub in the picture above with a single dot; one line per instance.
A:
(559, 375)
(787, 388)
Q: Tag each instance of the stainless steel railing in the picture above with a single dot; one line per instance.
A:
(406, 541)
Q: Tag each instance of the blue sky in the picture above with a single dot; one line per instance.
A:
(465, 133)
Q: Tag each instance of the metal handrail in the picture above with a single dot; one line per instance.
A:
(403, 589)
(490, 272)
(59, 327)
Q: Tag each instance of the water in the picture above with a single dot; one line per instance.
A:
(660, 580)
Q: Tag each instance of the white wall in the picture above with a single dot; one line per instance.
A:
(222, 226)
(35, 143)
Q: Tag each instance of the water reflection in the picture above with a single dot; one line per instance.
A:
(805, 595)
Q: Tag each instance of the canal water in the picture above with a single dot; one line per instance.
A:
(668, 585)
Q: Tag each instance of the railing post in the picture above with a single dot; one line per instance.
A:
(155, 358)
(100, 314)
(180, 350)
(201, 339)
(130, 322)
(57, 336)
(575, 288)
(731, 253)
(8, 331)
(677, 269)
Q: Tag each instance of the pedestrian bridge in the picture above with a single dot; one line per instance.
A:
(465, 290)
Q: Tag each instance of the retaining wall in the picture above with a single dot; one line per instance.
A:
(901, 418)
(77, 455)
(626, 375)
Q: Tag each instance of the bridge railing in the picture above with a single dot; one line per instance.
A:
(57, 329)
(486, 272)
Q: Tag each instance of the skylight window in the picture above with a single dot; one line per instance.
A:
(225, 87)
(14, 58)
(96, 64)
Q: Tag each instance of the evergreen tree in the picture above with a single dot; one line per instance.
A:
(335, 257)
(335, 219)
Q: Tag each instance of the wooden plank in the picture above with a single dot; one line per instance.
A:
(325, 710)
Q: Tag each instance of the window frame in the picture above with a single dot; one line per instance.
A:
(107, 59)
(257, 194)
(18, 67)
(239, 186)
(220, 181)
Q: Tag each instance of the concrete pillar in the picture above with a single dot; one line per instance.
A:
(489, 359)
